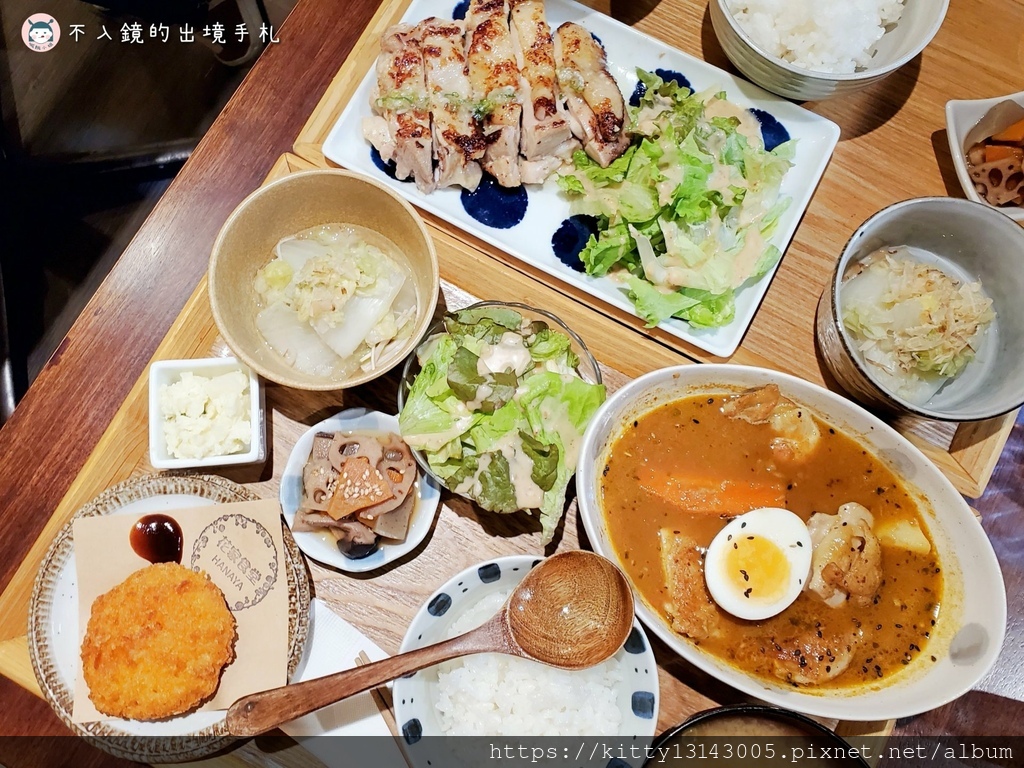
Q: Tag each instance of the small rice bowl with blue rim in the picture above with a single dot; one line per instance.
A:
(498, 695)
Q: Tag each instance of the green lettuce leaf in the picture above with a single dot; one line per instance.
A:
(700, 308)
(462, 374)
(497, 493)
(466, 422)
(545, 460)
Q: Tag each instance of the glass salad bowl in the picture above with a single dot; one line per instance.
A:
(548, 346)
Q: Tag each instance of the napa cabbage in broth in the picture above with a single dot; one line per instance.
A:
(677, 474)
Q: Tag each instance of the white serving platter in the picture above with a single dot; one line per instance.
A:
(547, 208)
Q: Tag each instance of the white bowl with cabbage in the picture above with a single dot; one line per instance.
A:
(923, 317)
(494, 405)
(323, 280)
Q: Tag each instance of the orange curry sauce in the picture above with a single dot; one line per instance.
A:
(692, 438)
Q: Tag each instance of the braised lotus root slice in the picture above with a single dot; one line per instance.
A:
(344, 447)
(318, 479)
(1001, 180)
(399, 468)
(318, 475)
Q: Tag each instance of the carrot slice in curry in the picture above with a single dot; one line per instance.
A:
(697, 495)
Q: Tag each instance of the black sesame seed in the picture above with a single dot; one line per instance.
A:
(746, 592)
(746, 576)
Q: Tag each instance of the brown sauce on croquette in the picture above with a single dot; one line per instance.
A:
(157, 538)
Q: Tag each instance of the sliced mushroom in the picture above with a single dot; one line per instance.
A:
(312, 520)
(355, 540)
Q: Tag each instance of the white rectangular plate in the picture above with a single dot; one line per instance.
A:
(547, 208)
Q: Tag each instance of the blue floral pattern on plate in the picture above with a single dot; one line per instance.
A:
(546, 208)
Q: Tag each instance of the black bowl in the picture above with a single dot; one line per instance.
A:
(683, 745)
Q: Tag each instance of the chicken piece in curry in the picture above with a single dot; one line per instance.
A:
(680, 472)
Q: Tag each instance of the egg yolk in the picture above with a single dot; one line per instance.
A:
(757, 567)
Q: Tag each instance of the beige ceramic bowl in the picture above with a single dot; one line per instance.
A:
(917, 26)
(289, 205)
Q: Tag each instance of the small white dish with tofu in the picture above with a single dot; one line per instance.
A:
(344, 497)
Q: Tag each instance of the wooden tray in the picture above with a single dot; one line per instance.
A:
(782, 335)
(383, 606)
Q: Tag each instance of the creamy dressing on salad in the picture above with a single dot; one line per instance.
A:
(499, 409)
(694, 203)
(749, 128)
(529, 495)
(508, 353)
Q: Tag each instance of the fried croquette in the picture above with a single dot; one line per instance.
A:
(156, 644)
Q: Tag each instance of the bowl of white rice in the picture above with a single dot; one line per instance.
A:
(497, 695)
(810, 50)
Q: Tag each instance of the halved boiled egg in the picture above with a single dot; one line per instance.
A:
(758, 563)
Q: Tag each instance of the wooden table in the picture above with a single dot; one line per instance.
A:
(64, 415)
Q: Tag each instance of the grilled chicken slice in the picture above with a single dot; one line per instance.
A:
(546, 136)
(596, 107)
(494, 78)
(400, 125)
(458, 141)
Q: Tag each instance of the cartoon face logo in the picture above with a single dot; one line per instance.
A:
(40, 32)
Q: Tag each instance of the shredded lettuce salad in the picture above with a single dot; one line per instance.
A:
(686, 213)
(499, 410)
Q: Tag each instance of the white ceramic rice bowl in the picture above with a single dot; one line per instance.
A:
(919, 23)
(971, 627)
(415, 696)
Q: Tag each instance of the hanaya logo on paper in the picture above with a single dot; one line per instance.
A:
(240, 557)
(40, 32)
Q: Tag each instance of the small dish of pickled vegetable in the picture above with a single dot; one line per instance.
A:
(986, 141)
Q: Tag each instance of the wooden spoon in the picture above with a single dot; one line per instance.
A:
(572, 611)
